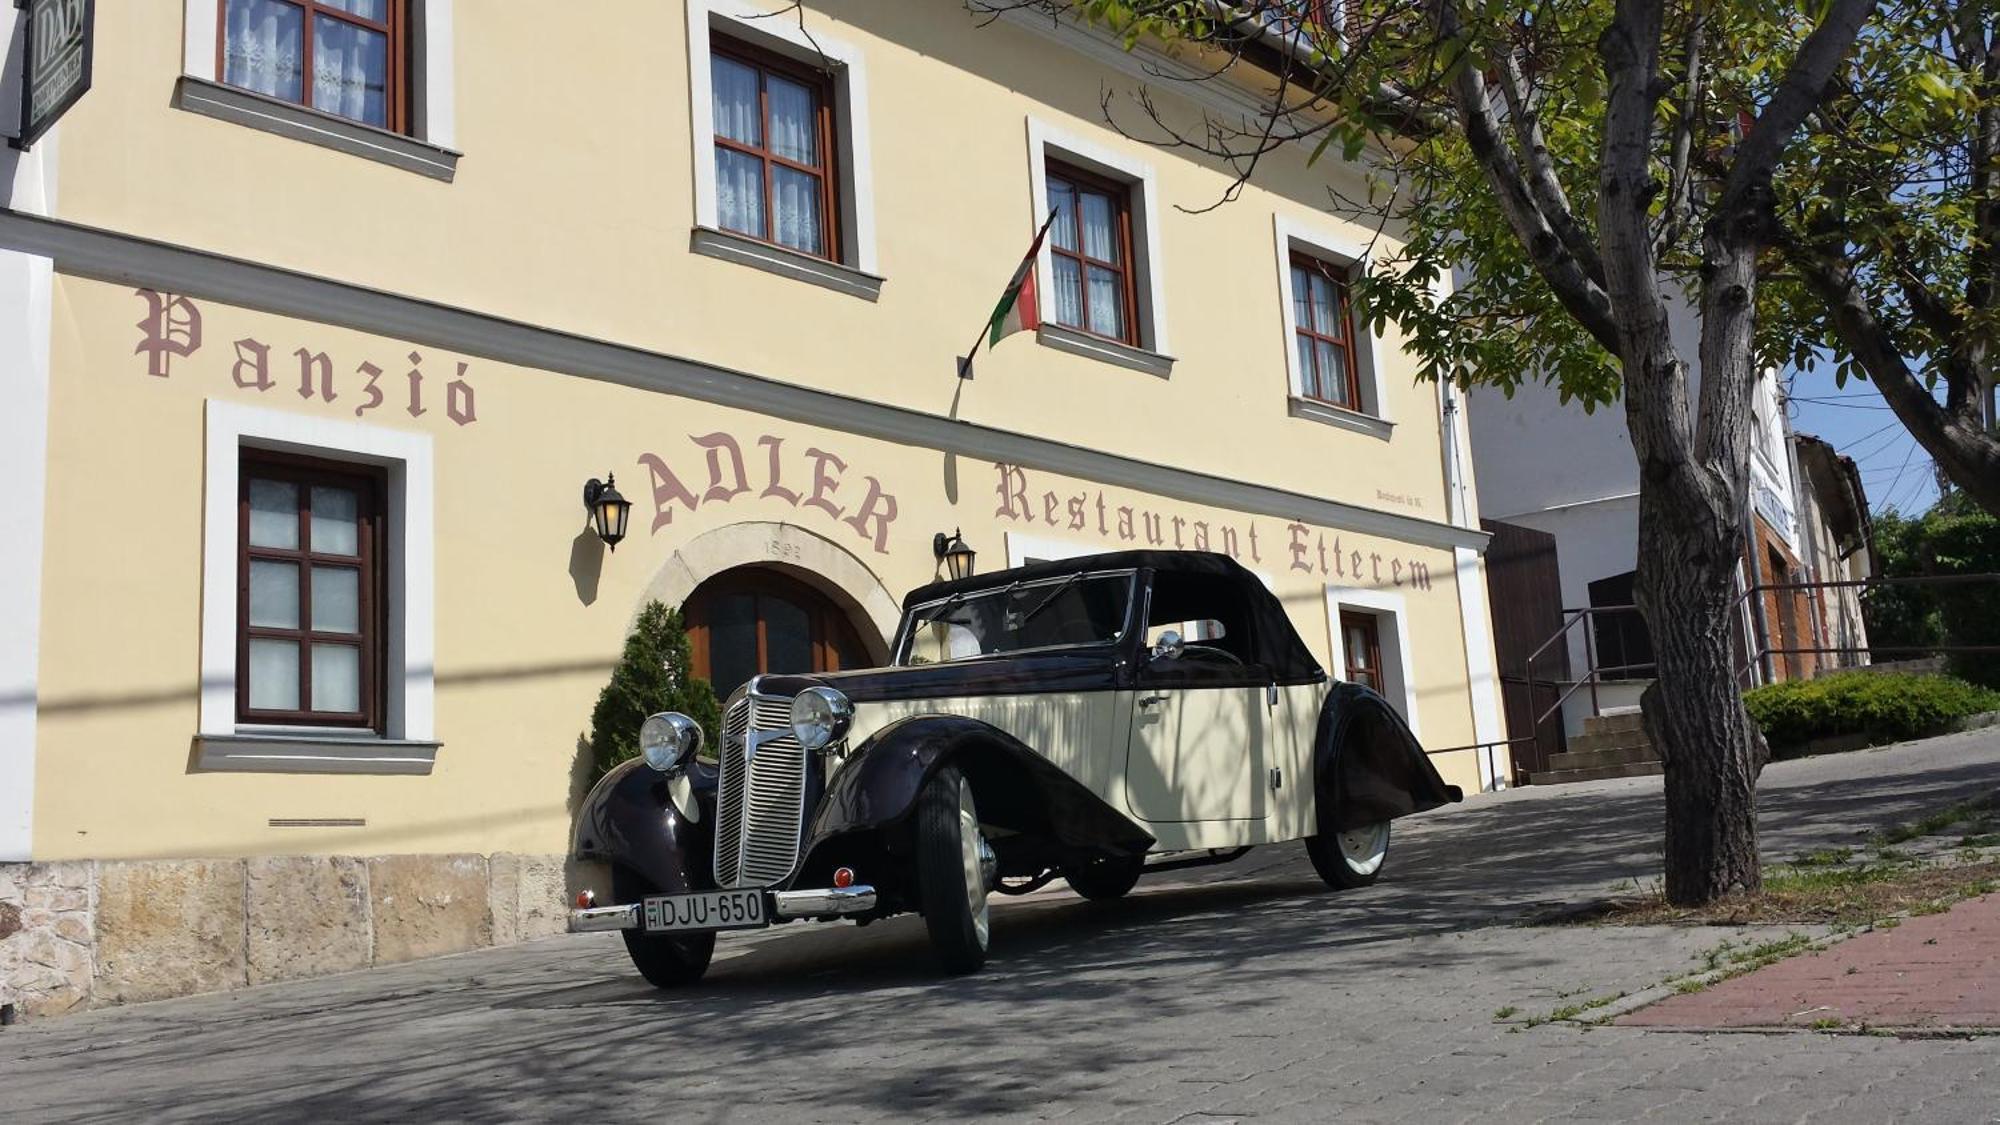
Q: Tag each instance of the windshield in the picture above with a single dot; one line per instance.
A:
(1078, 609)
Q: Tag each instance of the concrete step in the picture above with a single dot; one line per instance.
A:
(1590, 760)
(1608, 724)
(1562, 777)
(1610, 740)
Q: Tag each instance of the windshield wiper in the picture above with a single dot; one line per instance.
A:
(940, 609)
(1052, 596)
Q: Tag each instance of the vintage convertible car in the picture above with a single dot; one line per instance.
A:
(1068, 719)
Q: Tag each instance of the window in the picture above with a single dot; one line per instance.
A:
(1370, 634)
(345, 57)
(1100, 275)
(1333, 372)
(1323, 333)
(1090, 247)
(1624, 649)
(388, 625)
(774, 142)
(310, 638)
(1361, 641)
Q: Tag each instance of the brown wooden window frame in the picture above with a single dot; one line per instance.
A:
(396, 95)
(1371, 668)
(1313, 381)
(1120, 195)
(766, 63)
(370, 485)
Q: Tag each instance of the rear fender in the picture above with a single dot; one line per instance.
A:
(629, 820)
(1014, 787)
(1367, 765)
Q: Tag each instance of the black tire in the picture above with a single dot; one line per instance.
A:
(665, 962)
(1335, 866)
(960, 931)
(1104, 876)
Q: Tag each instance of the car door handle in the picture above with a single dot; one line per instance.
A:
(1150, 700)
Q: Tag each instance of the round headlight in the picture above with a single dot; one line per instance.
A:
(820, 717)
(668, 740)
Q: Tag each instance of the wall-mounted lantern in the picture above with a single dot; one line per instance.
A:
(608, 510)
(952, 551)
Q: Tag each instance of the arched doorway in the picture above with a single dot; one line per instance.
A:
(753, 619)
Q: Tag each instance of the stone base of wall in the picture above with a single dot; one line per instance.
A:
(90, 933)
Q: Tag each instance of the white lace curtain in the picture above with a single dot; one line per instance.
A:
(264, 44)
(794, 200)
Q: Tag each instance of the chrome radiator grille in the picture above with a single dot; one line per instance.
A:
(760, 797)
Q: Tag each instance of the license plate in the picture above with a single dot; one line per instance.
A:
(710, 910)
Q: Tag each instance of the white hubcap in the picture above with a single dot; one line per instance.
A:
(970, 845)
(1363, 849)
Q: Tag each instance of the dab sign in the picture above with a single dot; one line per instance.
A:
(55, 62)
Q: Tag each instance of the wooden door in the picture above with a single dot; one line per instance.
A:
(753, 620)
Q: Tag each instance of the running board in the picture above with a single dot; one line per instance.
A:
(1213, 857)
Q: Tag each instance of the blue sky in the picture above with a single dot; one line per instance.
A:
(1895, 471)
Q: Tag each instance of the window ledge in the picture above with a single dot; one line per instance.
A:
(1341, 416)
(1110, 351)
(323, 752)
(301, 123)
(733, 247)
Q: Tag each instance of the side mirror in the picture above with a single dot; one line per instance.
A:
(1169, 648)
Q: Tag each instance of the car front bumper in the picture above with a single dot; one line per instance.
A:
(779, 906)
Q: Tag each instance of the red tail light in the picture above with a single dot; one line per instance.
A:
(843, 877)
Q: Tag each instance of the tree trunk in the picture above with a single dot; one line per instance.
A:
(1693, 712)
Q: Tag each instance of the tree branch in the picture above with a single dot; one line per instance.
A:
(1543, 185)
(1970, 456)
(1579, 293)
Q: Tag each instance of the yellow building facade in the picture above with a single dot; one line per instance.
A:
(371, 320)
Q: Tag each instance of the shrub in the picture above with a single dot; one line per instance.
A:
(653, 675)
(1885, 707)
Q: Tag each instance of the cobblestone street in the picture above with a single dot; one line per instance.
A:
(1234, 992)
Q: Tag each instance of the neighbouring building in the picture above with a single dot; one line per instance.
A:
(315, 319)
(1560, 491)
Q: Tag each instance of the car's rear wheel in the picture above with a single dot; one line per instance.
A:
(1104, 876)
(1349, 859)
(954, 871)
(665, 962)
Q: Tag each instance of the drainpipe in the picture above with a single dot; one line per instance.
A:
(1808, 535)
(1458, 510)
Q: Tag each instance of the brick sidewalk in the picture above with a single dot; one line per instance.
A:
(1937, 970)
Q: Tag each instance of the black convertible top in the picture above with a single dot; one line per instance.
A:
(1209, 579)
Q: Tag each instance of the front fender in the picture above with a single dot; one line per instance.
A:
(629, 820)
(1367, 765)
(1016, 788)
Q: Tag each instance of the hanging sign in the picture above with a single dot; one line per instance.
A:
(55, 62)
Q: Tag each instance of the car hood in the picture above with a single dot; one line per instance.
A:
(1057, 671)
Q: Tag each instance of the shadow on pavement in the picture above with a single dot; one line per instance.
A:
(804, 1019)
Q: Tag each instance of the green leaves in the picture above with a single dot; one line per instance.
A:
(654, 674)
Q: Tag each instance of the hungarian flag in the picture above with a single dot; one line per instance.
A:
(1018, 308)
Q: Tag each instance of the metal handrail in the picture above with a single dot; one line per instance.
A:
(1751, 658)
(1594, 675)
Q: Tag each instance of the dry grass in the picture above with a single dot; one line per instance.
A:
(1847, 886)
(1834, 895)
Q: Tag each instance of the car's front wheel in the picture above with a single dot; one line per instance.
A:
(954, 871)
(1104, 876)
(1352, 858)
(665, 962)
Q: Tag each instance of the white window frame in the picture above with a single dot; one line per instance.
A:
(1046, 142)
(1391, 612)
(857, 272)
(1373, 418)
(427, 149)
(407, 743)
